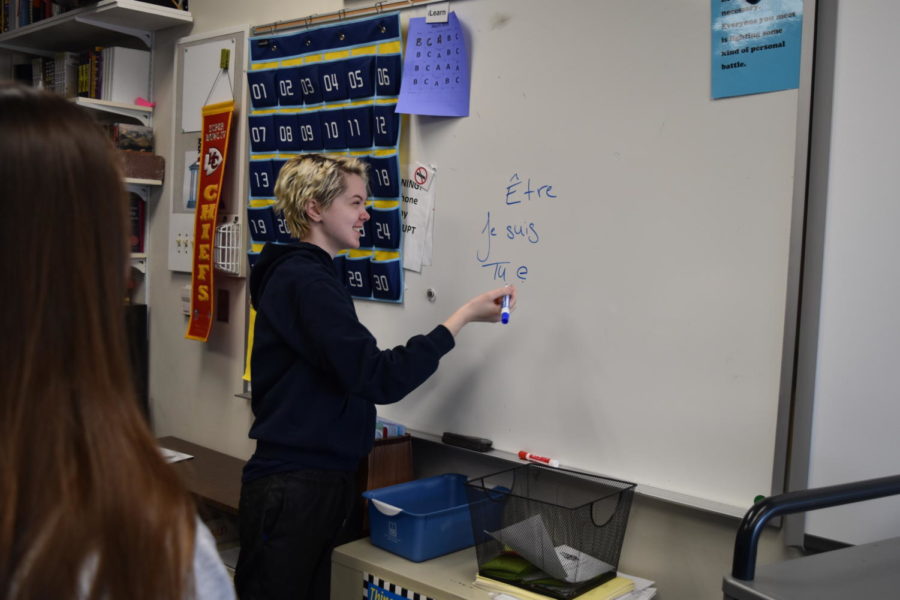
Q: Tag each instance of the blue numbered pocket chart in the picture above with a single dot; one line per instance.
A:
(331, 89)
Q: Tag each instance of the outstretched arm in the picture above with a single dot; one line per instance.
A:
(483, 307)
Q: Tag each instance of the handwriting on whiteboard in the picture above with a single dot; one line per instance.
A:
(510, 226)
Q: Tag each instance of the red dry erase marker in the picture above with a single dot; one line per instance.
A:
(541, 459)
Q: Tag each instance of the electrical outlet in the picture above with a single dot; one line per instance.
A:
(186, 300)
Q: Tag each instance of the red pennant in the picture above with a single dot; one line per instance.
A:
(213, 152)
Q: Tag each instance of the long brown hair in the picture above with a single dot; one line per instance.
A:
(88, 507)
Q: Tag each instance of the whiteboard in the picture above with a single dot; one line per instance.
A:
(853, 321)
(647, 344)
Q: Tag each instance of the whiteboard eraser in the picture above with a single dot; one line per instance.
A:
(467, 441)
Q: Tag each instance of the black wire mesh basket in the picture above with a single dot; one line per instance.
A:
(551, 531)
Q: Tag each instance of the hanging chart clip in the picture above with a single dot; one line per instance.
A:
(439, 12)
(224, 67)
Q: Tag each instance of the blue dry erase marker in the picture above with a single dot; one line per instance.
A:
(504, 310)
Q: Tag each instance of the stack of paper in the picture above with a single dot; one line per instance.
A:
(622, 587)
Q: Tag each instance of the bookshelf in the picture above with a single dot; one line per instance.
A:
(128, 23)
(146, 189)
(108, 22)
(131, 24)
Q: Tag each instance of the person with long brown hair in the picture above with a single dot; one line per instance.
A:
(89, 509)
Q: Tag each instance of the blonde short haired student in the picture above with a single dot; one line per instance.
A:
(317, 376)
(88, 507)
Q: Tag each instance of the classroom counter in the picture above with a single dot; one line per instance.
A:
(447, 577)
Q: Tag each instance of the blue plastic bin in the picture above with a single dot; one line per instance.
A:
(421, 519)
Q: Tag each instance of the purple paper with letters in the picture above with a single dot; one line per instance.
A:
(436, 70)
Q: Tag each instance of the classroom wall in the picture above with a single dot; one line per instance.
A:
(193, 386)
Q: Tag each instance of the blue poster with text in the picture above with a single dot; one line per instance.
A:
(755, 46)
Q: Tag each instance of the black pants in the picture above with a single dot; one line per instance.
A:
(289, 524)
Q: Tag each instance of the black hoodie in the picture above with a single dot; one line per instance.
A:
(317, 372)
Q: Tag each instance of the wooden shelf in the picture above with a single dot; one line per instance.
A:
(109, 22)
(211, 476)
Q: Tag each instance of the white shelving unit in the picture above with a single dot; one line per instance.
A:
(141, 114)
(143, 182)
(128, 23)
(101, 24)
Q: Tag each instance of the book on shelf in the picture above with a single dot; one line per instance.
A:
(65, 72)
(137, 217)
(10, 15)
(47, 73)
(42, 73)
(14, 14)
(23, 13)
(89, 66)
(37, 73)
(127, 136)
(114, 74)
(20, 13)
(40, 10)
